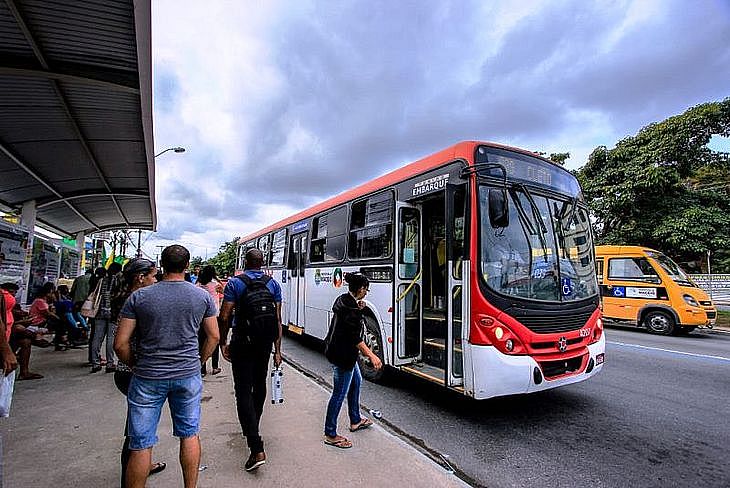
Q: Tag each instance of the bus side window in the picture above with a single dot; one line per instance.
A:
(263, 246)
(319, 239)
(371, 227)
(328, 237)
(278, 248)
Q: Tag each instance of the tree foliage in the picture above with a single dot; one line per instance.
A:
(225, 260)
(559, 158)
(196, 261)
(664, 187)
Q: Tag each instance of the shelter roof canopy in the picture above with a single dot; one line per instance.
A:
(76, 104)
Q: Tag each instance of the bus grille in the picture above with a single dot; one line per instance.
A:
(711, 315)
(550, 369)
(550, 324)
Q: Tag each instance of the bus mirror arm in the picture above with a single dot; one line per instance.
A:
(479, 167)
(498, 208)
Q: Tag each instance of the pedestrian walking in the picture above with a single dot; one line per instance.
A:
(104, 327)
(137, 273)
(343, 343)
(256, 299)
(165, 319)
(207, 279)
(94, 282)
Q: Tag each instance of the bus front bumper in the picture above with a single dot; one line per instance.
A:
(496, 374)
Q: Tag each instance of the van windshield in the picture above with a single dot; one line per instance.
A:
(671, 268)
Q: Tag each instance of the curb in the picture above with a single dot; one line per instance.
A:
(416, 443)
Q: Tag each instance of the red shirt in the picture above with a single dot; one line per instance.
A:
(9, 304)
(38, 310)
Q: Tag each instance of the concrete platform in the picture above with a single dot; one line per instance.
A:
(66, 431)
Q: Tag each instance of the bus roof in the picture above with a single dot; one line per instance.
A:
(462, 150)
(613, 250)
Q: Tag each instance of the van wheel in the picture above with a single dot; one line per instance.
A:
(373, 340)
(659, 322)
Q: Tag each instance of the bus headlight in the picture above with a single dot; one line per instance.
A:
(690, 300)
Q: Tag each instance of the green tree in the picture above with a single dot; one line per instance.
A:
(664, 188)
(559, 158)
(196, 261)
(225, 260)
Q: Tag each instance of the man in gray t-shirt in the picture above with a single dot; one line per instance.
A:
(163, 320)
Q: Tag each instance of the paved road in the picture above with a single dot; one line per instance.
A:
(657, 415)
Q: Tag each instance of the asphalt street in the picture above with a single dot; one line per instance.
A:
(657, 415)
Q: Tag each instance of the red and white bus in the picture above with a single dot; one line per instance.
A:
(481, 266)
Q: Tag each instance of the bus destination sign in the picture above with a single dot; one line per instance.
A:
(521, 167)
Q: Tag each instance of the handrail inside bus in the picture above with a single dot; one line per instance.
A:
(403, 295)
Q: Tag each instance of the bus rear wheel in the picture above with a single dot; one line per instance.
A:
(659, 322)
(373, 340)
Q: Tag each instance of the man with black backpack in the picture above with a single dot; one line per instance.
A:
(254, 299)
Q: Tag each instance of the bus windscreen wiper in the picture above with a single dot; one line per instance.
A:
(541, 230)
(524, 219)
(565, 223)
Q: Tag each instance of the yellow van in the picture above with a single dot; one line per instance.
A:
(643, 287)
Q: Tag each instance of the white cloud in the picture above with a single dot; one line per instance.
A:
(281, 104)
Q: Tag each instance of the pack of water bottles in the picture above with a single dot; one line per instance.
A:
(277, 391)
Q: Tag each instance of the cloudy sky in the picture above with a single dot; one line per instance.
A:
(283, 103)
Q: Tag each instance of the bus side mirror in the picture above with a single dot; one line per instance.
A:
(498, 208)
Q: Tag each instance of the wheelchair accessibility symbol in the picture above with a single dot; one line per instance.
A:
(619, 291)
(566, 286)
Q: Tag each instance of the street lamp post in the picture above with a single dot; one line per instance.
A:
(177, 149)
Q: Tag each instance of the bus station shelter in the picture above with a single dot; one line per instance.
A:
(76, 138)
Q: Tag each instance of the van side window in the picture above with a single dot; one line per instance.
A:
(633, 269)
(599, 270)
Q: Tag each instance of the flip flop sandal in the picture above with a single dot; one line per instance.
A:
(31, 376)
(364, 424)
(158, 467)
(341, 443)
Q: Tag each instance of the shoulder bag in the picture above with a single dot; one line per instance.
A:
(91, 305)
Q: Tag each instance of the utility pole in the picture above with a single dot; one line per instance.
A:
(139, 243)
(159, 251)
(709, 273)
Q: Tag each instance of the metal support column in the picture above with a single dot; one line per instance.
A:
(81, 247)
(27, 220)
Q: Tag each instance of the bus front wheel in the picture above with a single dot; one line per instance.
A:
(373, 340)
(659, 322)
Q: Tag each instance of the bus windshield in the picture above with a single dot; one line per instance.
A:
(544, 253)
(671, 268)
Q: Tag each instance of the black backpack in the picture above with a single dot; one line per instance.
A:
(256, 318)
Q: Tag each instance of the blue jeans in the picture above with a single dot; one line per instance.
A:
(144, 403)
(103, 328)
(346, 384)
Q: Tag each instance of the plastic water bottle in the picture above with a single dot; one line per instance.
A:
(277, 393)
